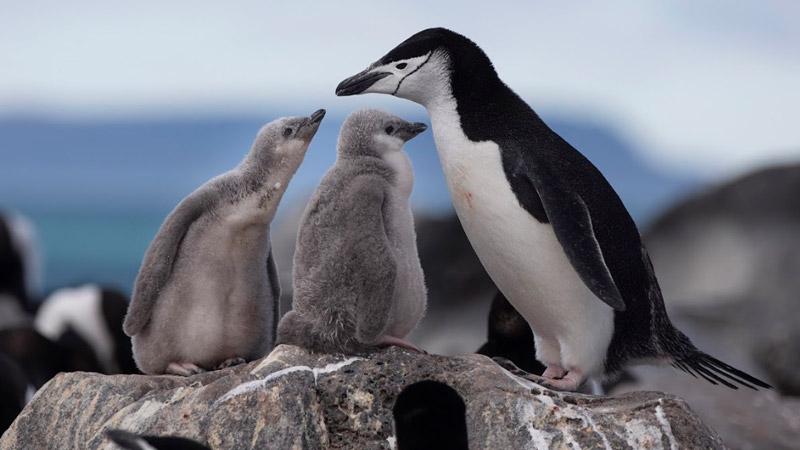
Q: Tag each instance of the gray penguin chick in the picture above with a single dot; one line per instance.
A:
(207, 292)
(357, 280)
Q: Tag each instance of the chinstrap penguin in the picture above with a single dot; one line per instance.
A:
(94, 315)
(357, 279)
(207, 292)
(547, 226)
(14, 387)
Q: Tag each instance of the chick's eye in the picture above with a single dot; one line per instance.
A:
(401, 66)
(287, 132)
(389, 129)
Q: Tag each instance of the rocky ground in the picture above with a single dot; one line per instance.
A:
(293, 399)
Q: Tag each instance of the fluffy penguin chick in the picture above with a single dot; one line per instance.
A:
(357, 277)
(207, 293)
(547, 226)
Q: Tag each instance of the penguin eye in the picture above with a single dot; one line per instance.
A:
(401, 66)
(287, 132)
(389, 129)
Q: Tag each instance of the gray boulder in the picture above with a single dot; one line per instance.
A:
(727, 260)
(293, 399)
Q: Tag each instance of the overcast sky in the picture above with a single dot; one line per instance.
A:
(712, 85)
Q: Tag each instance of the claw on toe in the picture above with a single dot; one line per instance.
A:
(387, 341)
(554, 372)
(570, 382)
(184, 369)
(230, 362)
(512, 368)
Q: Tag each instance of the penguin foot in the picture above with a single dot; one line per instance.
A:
(571, 381)
(388, 341)
(509, 365)
(554, 372)
(230, 362)
(183, 369)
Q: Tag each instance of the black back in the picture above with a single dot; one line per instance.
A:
(13, 387)
(114, 306)
(41, 359)
(12, 268)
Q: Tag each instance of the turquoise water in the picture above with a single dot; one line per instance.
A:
(93, 247)
(98, 191)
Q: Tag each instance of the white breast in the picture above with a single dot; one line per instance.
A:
(522, 255)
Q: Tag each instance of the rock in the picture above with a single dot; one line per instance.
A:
(293, 399)
(779, 358)
(727, 260)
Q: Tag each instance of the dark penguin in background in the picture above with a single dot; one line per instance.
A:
(13, 290)
(547, 226)
(89, 317)
(13, 391)
(131, 441)
(510, 337)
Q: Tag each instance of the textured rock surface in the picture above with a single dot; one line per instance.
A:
(293, 399)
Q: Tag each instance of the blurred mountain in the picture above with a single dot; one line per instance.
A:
(98, 190)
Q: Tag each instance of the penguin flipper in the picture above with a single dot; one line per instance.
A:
(372, 262)
(160, 257)
(572, 224)
(275, 288)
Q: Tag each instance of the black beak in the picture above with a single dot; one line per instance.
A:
(316, 117)
(410, 131)
(309, 128)
(359, 82)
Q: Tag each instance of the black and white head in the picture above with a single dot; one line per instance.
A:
(371, 132)
(425, 68)
(287, 136)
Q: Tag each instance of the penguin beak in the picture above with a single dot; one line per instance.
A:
(410, 131)
(309, 128)
(360, 82)
(316, 117)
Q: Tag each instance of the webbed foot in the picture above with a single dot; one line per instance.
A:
(183, 369)
(387, 341)
(230, 362)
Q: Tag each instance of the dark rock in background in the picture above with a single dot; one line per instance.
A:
(728, 261)
(779, 357)
(293, 399)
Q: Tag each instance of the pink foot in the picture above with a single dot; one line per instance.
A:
(230, 362)
(386, 341)
(183, 369)
(571, 381)
(554, 372)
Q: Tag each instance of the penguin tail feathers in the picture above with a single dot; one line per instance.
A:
(715, 371)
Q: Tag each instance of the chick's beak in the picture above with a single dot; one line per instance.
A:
(411, 130)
